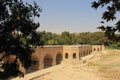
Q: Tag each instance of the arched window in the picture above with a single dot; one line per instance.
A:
(74, 56)
(94, 49)
(66, 55)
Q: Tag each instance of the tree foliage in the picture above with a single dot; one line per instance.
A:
(111, 14)
(82, 38)
(17, 28)
(67, 38)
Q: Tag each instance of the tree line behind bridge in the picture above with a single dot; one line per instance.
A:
(67, 38)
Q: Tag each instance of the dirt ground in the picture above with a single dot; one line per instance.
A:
(70, 72)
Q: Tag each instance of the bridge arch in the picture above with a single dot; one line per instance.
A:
(89, 52)
(48, 61)
(98, 49)
(58, 58)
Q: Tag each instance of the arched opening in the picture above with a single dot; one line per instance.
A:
(48, 60)
(34, 66)
(74, 55)
(86, 53)
(58, 58)
(35, 63)
(98, 49)
(94, 49)
(89, 52)
(66, 55)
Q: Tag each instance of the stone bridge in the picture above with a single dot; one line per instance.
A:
(50, 55)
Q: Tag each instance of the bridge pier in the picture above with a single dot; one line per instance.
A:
(41, 64)
(54, 61)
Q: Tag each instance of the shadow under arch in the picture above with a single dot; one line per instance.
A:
(48, 60)
(94, 49)
(58, 58)
(98, 49)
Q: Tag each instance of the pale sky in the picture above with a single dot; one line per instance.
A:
(68, 15)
